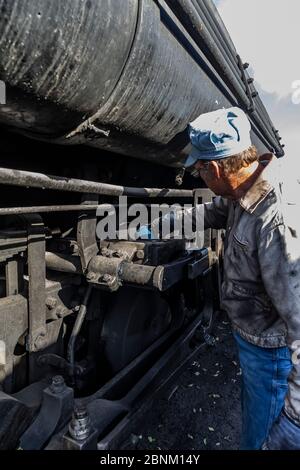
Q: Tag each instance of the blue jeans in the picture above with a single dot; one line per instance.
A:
(264, 386)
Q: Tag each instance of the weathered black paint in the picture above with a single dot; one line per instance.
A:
(129, 67)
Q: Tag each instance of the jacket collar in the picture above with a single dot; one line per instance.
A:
(263, 185)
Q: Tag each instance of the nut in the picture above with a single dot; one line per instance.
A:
(51, 302)
(40, 341)
(80, 426)
(90, 276)
(140, 254)
(58, 384)
(61, 311)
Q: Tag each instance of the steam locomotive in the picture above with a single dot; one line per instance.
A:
(97, 97)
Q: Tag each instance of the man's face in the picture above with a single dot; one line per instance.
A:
(212, 176)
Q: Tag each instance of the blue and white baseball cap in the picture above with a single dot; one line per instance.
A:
(219, 134)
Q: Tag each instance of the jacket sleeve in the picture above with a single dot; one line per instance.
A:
(214, 213)
(279, 258)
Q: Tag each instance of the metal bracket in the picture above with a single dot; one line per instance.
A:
(15, 418)
(36, 283)
(86, 232)
(12, 276)
(55, 411)
(88, 129)
(12, 243)
(105, 272)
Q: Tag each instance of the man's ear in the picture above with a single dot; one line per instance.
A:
(215, 169)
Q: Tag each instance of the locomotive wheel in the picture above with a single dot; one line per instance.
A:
(135, 319)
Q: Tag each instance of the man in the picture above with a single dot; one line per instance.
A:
(261, 286)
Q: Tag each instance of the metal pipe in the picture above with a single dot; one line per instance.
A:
(126, 271)
(76, 329)
(267, 133)
(261, 107)
(218, 41)
(140, 274)
(216, 22)
(186, 12)
(40, 209)
(129, 272)
(220, 27)
(59, 183)
(189, 17)
(13, 233)
(221, 42)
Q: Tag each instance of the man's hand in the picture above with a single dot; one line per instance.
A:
(144, 232)
(284, 435)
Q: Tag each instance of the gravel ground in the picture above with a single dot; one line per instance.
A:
(202, 409)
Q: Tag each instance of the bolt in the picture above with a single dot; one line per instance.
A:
(40, 340)
(107, 278)
(140, 254)
(179, 177)
(61, 311)
(51, 302)
(58, 384)
(80, 425)
(107, 252)
(80, 413)
(74, 246)
(90, 276)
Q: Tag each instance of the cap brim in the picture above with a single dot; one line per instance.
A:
(193, 157)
